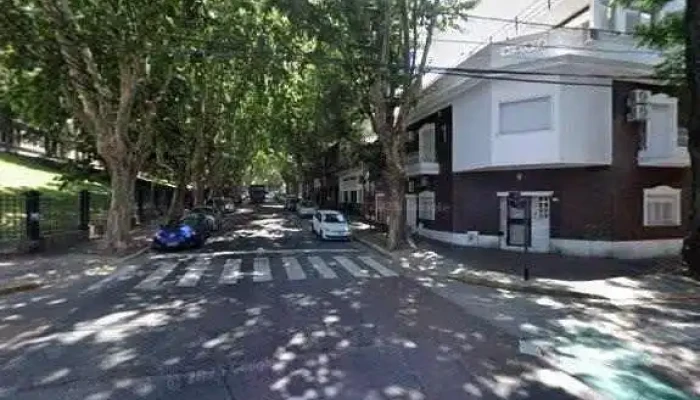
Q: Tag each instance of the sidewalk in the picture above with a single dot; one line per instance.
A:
(625, 281)
(618, 330)
(31, 271)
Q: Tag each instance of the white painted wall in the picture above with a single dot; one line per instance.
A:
(524, 148)
(586, 124)
(471, 129)
(574, 138)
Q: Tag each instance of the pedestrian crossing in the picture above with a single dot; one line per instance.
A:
(192, 271)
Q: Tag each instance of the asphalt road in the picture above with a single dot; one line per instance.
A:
(264, 311)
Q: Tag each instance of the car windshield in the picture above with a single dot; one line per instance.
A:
(307, 204)
(192, 219)
(334, 218)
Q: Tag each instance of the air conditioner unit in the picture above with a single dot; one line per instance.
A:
(638, 96)
(638, 112)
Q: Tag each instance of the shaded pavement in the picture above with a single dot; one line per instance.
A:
(629, 347)
(388, 338)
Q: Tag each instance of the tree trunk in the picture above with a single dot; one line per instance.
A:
(178, 201)
(122, 180)
(396, 188)
(691, 245)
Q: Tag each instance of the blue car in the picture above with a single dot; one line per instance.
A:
(190, 232)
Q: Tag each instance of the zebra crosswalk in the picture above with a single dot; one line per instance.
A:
(193, 271)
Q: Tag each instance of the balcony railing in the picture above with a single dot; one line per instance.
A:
(418, 157)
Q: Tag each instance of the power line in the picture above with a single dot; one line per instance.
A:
(564, 47)
(541, 73)
(516, 21)
(526, 12)
(486, 73)
(513, 79)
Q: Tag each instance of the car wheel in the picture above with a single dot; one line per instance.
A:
(320, 235)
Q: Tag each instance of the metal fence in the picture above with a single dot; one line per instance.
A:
(33, 219)
(59, 215)
(12, 220)
(99, 207)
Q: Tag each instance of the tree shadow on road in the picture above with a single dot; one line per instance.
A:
(364, 339)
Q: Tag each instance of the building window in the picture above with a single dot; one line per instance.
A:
(411, 186)
(353, 196)
(525, 115)
(662, 206)
(542, 207)
(426, 206)
(427, 143)
(661, 128)
(609, 14)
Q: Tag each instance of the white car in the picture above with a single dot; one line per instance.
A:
(329, 224)
(306, 209)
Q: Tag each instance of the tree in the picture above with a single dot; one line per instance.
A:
(678, 35)
(383, 46)
(111, 63)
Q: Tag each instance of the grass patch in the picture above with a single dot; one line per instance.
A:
(19, 174)
(59, 201)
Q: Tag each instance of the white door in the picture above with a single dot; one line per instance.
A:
(411, 210)
(540, 223)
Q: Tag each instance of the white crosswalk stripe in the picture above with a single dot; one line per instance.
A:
(351, 267)
(152, 281)
(374, 264)
(194, 273)
(322, 268)
(232, 272)
(294, 270)
(261, 271)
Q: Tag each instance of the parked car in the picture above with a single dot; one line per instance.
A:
(290, 203)
(213, 216)
(222, 204)
(191, 231)
(329, 224)
(306, 209)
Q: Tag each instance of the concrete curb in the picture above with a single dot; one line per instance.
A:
(525, 288)
(17, 287)
(493, 283)
(532, 287)
(375, 247)
(132, 255)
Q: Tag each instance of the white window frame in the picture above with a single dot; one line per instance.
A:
(544, 127)
(650, 135)
(665, 194)
(426, 205)
(426, 143)
(542, 207)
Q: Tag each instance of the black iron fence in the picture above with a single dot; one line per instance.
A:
(12, 220)
(36, 220)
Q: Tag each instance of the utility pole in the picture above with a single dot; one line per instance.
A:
(691, 245)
